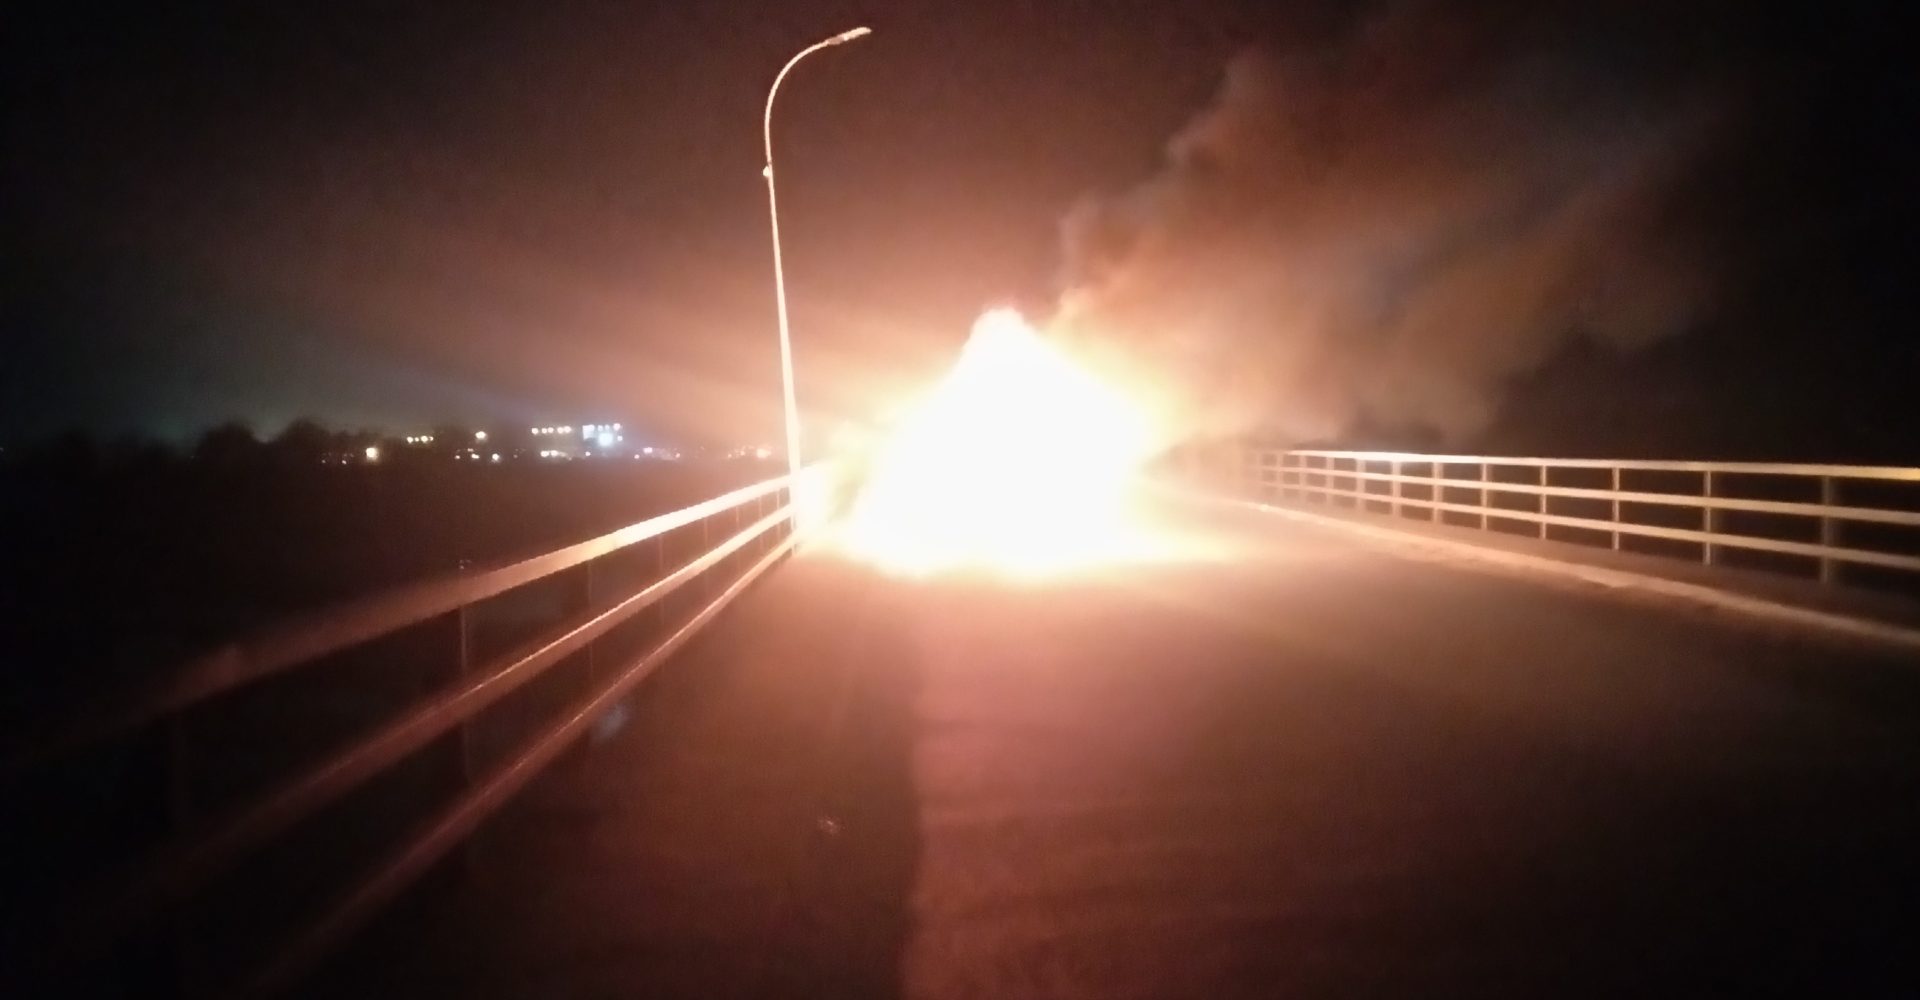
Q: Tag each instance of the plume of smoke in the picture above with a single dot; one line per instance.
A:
(1389, 230)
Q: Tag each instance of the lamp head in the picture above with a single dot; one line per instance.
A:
(852, 33)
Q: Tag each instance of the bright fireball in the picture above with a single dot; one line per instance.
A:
(1019, 460)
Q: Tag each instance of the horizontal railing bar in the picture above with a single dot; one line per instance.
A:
(1810, 550)
(179, 870)
(1882, 472)
(1863, 515)
(317, 635)
(456, 822)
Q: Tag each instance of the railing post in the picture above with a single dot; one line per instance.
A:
(593, 665)
(1394, 470)
(1616, 508)
(1543, 501)
(463, 741)
(179, 805)
(659, 609)
(1829, 529)
(1709, 518)
(1483, 495)
(706, 546)
(463, 662)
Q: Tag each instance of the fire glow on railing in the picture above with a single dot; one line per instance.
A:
(1018, 461)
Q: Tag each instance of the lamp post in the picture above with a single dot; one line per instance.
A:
(791, 410)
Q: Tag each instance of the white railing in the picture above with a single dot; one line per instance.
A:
(614, 633)
(1617, 499)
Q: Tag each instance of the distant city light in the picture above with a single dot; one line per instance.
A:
(604, 438)
(496, 456)
(479, 435)
(763, 453)
(647, 450)
(373, 453)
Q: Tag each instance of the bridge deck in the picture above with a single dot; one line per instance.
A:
(1317, 770)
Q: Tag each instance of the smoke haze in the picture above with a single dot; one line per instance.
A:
(1385, 228)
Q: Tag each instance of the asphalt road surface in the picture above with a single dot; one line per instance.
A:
(1284, 765)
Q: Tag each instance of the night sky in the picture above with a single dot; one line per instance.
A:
(397, 214)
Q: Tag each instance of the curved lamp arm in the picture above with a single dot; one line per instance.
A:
(789, 406)
(766, 120)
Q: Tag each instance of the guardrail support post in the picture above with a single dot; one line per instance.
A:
(1616, 508)
(659, 609)
(1543, 501)
(593, 659)
(1829, 529)
(463, 742)
(1483, 495)
(1709, 518)
(706, 545)
(184, 967)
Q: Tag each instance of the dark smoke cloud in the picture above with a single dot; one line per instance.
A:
(1387, 229)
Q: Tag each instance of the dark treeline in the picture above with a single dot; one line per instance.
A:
(230, 445)
(128, 554)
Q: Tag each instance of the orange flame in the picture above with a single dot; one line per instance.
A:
(1018, 461)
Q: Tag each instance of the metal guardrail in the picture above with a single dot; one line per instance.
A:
(758, 521)
(1484, 490)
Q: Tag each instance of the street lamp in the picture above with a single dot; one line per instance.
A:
(791, 410)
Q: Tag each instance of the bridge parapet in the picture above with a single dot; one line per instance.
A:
(572, 630)
(1829, 521)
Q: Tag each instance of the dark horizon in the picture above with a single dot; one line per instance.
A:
(500, 212)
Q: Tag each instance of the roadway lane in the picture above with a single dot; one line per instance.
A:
(1313, 770)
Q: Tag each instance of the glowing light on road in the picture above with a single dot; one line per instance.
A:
(1019, 461)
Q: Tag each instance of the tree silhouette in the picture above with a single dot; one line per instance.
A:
(72, 453)
(229, 444)
(301, 443)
